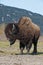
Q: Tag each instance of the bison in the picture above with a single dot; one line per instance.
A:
(26, 31)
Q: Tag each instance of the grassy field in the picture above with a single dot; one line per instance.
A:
(14, 49)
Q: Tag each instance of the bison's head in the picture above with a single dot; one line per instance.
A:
(11, 32)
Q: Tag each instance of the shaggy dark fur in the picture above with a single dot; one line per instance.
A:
(26, 31)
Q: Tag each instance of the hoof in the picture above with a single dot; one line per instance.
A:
(34, 53)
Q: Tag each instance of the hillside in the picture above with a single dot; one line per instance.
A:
(10, 14)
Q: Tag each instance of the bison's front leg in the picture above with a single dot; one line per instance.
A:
(28, 46)
(21, 50)
(22, 46)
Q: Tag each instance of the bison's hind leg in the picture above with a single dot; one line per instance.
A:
(35, 46)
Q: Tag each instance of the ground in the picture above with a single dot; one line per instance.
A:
(11, 55)
(21, 60)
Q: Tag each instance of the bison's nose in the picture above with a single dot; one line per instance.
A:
(11, 42)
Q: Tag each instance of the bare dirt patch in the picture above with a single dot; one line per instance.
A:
(21, 60)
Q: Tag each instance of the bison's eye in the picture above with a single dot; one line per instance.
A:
(14, 32)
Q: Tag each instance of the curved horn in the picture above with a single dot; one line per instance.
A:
(13, 27)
